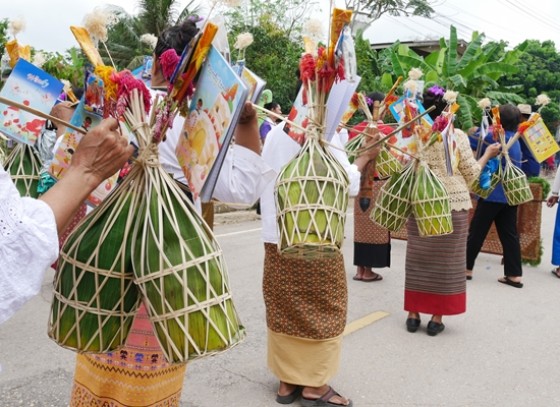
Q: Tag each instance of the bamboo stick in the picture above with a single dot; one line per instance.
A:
(41, 114)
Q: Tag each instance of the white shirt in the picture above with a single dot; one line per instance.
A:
(243, 176)
(28, 246)
(278, 150)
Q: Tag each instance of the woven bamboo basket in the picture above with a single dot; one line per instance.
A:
(516, 187)
(430, 204)
(24, 166)
(387, 164)
(95, 298)
(352, 147)
(180, 270)
(494, 180)
(392, 206)
(311, 196)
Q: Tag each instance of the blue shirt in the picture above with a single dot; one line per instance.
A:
(516, 156)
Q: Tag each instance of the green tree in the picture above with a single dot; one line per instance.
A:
(69, 66)
(537, 71)
(3, 34)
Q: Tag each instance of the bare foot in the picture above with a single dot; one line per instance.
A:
(359, 274)
(326, 393)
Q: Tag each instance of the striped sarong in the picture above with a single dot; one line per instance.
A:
(435, 280)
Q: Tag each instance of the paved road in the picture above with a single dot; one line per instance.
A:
(503, 352)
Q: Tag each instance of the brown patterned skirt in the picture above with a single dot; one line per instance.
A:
(435, 280)
(372, 243)
(306, 303)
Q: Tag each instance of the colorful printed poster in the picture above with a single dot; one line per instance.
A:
(539, 140)
(67, 146)
(216, 105)
(33, 87)
(254, 83)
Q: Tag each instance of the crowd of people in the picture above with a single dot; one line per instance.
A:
(304, 325)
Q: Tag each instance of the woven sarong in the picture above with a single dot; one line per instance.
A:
(136, 375)
(435, 280)
(306, 303)
(372, 243)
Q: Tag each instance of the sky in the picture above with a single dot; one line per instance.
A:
(47, 23)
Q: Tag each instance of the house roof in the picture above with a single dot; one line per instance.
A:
(422, 48)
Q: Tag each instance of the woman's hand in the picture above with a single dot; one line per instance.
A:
(552, 200)
(493, 150)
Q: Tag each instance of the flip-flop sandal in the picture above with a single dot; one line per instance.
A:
(356, 278)
(377, 277)
(506, 280)
(289, 398)
(323, 401)
(555, 272)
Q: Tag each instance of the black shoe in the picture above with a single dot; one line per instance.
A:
(412, 324)
(435, 328)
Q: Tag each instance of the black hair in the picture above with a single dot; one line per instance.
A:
(272, 105)
(176, 37)
(431, 99)
(375, 97)
(510, 117)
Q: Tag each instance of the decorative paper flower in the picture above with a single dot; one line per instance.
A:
(437, 90)
(149, 39)
(126, 83)
(542, 100)
(411, 87)
(415, 74)
(39, 59)
(440, 123)
(98, 22)
(16, 26)
(484, 103)
(313, 28)
(168, 61)
(243, 41)
(450, 96)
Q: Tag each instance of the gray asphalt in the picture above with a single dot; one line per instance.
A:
(503, 352)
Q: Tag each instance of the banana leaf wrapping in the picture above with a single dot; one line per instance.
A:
(393, 206)
(24, 166)
(95, 298)
(145, 242)
(430, 203)
(386, 164)
(311, 196)
(514, 182)
(179, 268)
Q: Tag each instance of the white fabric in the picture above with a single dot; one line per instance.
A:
(28, 246)
(556, 184)
(278, 150)
(243, 176)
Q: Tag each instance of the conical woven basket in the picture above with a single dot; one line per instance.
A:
(516, 187)
(392, 206)
(430, 204)
(95, 298)
(24, 166)
(311, 198)
(386, 164)
(180, 270)
(494, 180)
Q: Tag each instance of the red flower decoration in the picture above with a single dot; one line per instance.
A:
(440, 123)
(307, 68)
(168, 61)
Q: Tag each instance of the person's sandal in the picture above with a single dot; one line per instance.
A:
(323, 401)
(289, 398)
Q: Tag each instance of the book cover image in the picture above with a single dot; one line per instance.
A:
(216, 104)
(33, 87)
(82, 117)
(254, 83)
(540, 141)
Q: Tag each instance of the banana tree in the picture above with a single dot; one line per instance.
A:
(474, 74)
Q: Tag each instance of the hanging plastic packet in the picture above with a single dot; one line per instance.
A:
(486, 174)
(347, 51)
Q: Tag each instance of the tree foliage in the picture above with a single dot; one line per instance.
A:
(537, 71)
(371, 10)
(474, 74)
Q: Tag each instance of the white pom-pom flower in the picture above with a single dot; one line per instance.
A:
(16, 26)
(313, 28)
(243, 41)
(98, 22)
(415, 74)
(67, 85)
(484, 103)
(149, 39)
(411, 86)
(542, 100)
(450, 96)
(39, 59)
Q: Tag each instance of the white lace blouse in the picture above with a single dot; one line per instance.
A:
(28, 246)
